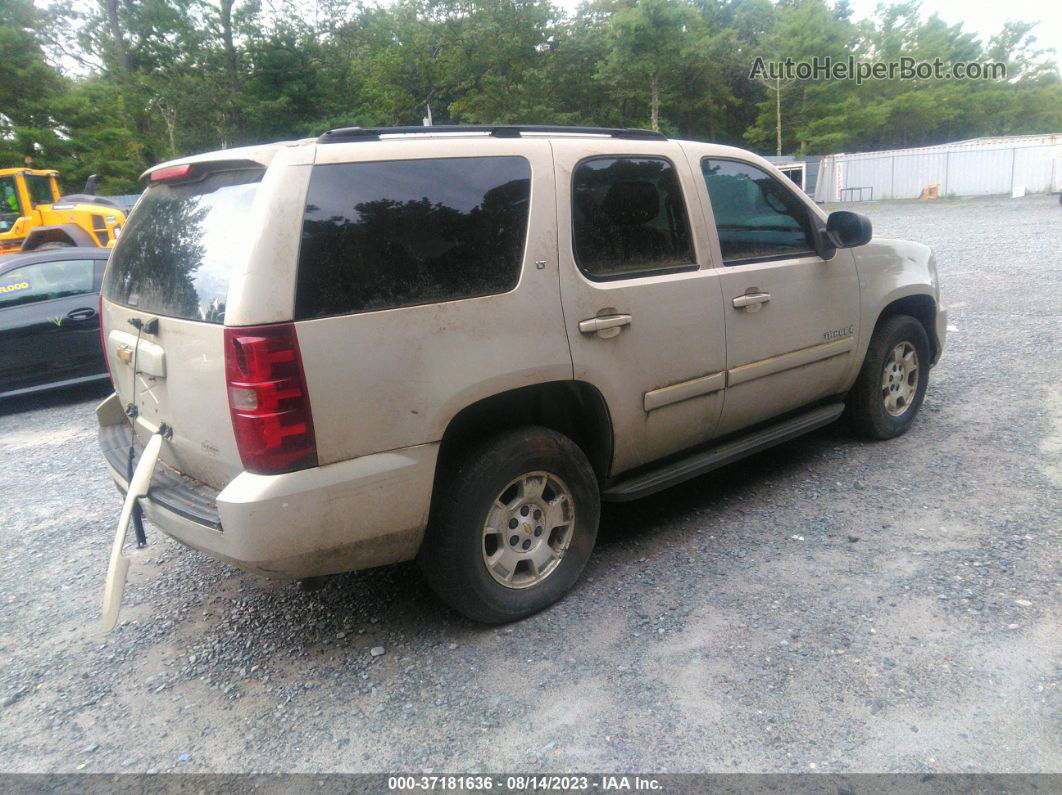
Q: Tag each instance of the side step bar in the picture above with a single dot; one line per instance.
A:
(647, 483)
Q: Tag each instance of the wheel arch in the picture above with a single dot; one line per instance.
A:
(574, 408)
(921, 307)
(59, 233)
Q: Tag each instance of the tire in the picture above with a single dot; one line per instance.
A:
(466, 564)
(53, 245)
(892, 383)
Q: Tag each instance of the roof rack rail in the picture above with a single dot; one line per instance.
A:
(347, 134)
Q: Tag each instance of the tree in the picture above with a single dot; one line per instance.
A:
(114, 86)
(649, 39)
(804, 30)
(29, 87)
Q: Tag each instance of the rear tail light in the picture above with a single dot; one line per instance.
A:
(268, 400)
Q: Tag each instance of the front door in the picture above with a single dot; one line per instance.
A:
(641, 305)
(49, 326)
(792, 318)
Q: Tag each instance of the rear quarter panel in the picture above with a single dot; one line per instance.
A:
(262, 286)
(382, 380)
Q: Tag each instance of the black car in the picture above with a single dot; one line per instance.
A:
(49, 319)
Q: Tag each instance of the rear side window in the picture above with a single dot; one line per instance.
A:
(180, 244)
(399, 233)
(628, 217)
(45, 281)
(756, 216)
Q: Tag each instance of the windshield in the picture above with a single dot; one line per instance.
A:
(180, 245)
(9, 206)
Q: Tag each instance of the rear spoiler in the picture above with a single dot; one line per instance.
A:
(194, 171)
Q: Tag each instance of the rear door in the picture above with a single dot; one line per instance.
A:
(642, 306)
(184, 250)
(49, 328)
(791, 318)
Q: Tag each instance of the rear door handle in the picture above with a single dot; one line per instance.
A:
(604, 325)
(751, 299)
(84, 313)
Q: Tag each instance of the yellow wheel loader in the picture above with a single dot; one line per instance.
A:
(34, 216)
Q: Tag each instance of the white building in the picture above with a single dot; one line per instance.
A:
(979, 167)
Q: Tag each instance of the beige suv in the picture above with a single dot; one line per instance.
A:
(451, 344)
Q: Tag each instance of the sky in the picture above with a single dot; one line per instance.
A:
(983, 17)
(987, 18)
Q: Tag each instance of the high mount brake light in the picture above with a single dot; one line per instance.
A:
(268, 401)
(170, 173)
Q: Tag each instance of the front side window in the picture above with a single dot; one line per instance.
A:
(756, 216)
(10, 208)
(381, 235)
(179, 247)
(45, 281)
(629, 217)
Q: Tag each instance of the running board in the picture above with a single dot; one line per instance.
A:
(706, 460)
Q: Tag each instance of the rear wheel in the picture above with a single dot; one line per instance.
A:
(54, 244)
(513, 526)
(892, 384)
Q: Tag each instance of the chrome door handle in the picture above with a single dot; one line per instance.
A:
(603, 323)
(751, 299)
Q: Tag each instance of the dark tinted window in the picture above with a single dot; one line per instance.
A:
(178, 248)
(45, 281)
(399, 233)
(628, 217)
(40, 189)
(757, 217)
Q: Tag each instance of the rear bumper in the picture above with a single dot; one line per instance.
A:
(355, 514)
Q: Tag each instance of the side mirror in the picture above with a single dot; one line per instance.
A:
(847, 229)
(91, 185)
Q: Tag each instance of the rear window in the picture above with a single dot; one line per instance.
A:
(399, 233)
(178, 248)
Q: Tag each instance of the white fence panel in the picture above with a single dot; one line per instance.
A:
(981, 167)
(979, 173)
(911, 173)
(1034, 167)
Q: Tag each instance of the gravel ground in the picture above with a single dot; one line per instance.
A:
(833, 605)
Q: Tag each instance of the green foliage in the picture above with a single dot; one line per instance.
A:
(115, 86)
(29, 87)
(826, 116)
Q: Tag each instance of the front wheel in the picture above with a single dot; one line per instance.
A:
(892, 384)
(513, 526)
